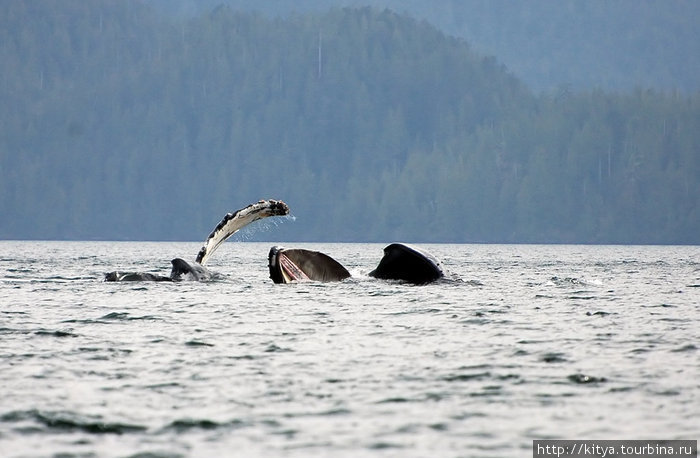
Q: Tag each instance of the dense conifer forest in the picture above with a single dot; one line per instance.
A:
(121, 123)
(549, 44)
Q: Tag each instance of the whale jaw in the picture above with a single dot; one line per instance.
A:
(298, 264)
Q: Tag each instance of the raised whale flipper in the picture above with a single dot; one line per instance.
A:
(288, 265)
(408, 263)
(232, 222)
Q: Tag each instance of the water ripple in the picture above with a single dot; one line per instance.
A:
(360, 368)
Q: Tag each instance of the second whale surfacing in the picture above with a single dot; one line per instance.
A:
(229, 225)
(400, 262)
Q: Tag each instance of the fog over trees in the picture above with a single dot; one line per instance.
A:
(122, 121)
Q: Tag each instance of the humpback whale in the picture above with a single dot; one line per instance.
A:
(408, 263)
(400, 262)
(298, 264)
(229, 225)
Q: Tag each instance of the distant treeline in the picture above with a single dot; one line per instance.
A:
(118, 123)
(549, 44)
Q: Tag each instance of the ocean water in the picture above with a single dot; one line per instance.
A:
(521, 342)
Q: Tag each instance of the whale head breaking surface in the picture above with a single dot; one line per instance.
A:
(298, 264)
(183, 270)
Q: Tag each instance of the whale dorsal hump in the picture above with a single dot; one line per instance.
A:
(408, 263)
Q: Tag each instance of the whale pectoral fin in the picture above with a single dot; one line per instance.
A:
(233, 222)
(408, 263)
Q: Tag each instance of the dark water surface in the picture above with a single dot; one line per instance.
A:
(531, 342)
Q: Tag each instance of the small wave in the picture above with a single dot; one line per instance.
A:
(383, 293)
(198, 343)
(599, 313)
(669, 392)
(13, 331)
(385, 446)
(582, 298)
(689, 347)
(156, 455)
(11, 312)
(273, 348)
(583, 379)
(454, 279)
(394, 400)
(115, 316)
(554, 358)
(83, 321)
(60, 278)
(20, 270)
(110, 350)
(419, 311)
(57, 333)
(186, 424)
(466, 377)
(124, 316)
(340, 411)
(66, 421)
(242, 357)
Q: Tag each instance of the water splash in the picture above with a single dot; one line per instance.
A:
(251, 231)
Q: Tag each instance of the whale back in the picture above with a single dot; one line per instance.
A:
(134, 276)
(408, 263)
(233, 222)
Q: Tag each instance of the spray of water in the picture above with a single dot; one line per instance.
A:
(264, 225)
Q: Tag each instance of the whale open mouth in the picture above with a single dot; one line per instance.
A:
(298, 264)
(290, 271)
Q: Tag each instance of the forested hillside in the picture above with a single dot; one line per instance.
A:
(118, 123)
(618, 45)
